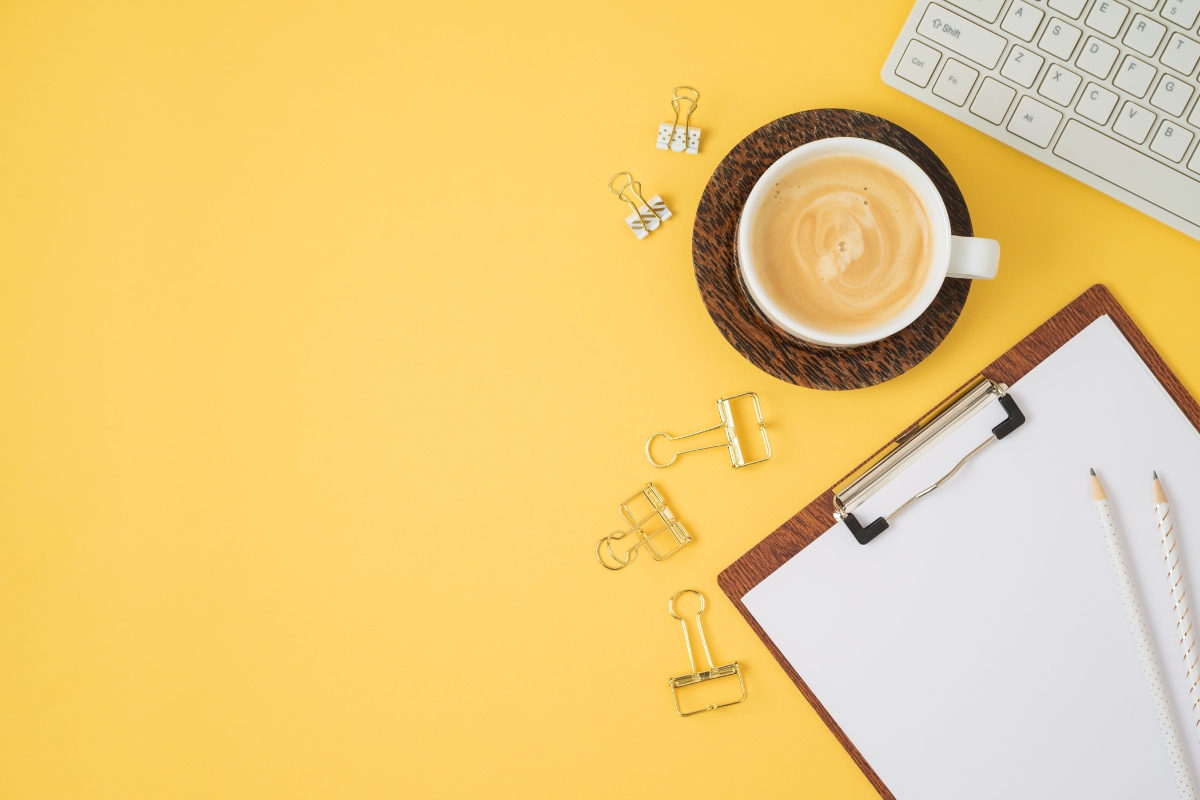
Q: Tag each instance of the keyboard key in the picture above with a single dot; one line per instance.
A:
(1106, 16)
(1194, 164)
(1034, 122)
(1134, 76)
(962, 36)
(1181, 53)
(955, 82)
(1133, 171)
(1022, 66)
(1059, 39)
(1146, 4)
(1171, 141)
(1181, 12)
(1096, 103)
(1144, 34)
(1194, 119)
(1072, 8)
(1097, 57)
(986, 10)
(1059, 84)
(918, 62)
(1134, 122)
(1171, 95)
(1022, 20)
(992, 101)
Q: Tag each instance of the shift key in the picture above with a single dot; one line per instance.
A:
(961, 35)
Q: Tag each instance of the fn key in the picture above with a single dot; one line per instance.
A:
(1034, 122)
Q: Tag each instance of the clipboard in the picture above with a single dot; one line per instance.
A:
(818, 516)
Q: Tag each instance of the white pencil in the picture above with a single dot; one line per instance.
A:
(1183, 611)
(1141, 637)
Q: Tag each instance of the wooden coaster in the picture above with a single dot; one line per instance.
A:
(714, 254)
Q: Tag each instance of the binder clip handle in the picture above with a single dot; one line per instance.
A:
(630, 554)
(681, 93)
(671, 438)
(687, 641)
(692, 99)
(634, 188)
(671, 603)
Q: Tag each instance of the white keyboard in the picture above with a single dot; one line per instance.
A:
(1102, 90)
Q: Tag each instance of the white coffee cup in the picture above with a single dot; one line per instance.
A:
(953, 256)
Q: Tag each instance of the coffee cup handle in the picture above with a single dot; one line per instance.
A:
(977, 259)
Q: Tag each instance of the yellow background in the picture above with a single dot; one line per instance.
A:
(327, 358)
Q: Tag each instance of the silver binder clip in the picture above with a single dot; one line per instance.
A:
(681, 138)
(731, 438)
(645, 215)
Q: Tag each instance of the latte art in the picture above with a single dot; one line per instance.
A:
(837, 238)
(842, 243)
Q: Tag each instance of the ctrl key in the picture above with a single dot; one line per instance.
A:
(917, 63)
(993, 100)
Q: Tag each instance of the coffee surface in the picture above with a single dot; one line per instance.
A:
(842, 243)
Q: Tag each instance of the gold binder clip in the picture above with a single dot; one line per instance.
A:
(681, 138)
(658, 513)
(731, 437)
(645, 215)
(712, 673)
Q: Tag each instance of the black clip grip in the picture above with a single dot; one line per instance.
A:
(1015, 418)
(868, 533)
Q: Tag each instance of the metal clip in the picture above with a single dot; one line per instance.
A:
(644, 538)
(681, 138)
(731, 438)
(713, 672)
(645, 215)
(913, 444)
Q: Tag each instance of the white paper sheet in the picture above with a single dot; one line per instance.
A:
(978, 648)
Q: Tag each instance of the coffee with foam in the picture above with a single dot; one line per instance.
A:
(842, 243)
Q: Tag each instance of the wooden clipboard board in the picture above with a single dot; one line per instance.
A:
(817, 517)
